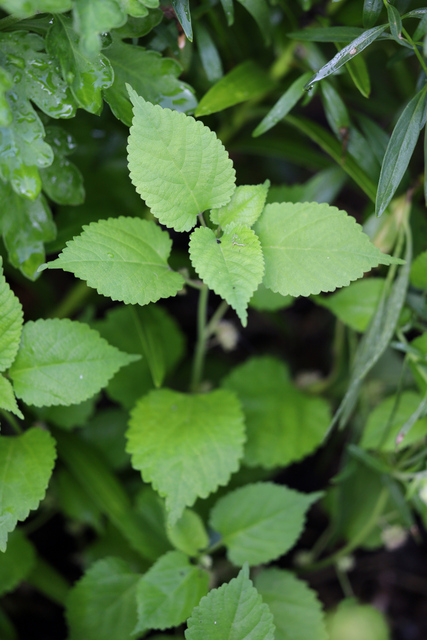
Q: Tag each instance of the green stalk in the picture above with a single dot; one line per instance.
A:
(13, 422)
(73, 301)
(49, 582)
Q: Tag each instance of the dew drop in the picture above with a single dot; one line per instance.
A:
(81, 377)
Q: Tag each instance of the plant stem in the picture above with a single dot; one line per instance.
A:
(73, 301)
(357, 540)
(13, 422)
(415, 48)
(213, 322)
(199, 354)
(49, 582)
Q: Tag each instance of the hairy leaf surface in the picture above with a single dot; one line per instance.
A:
(245, 206)
(309, 248)
(61, 362)
(186, 445)
(123, 258)
(178, 166)
(260, 522)
(7, 397)
(232, 266)
(26, 463)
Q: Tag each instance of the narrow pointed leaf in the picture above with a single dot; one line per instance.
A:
(26, 463)
(228, 7)
(395, 22)
(186, 445)
(297, 613)
(246, 81)
(400, 148)
(182, 10)
(178, 166)
(347, 53)
(327, 34)
(314, 247)
(359, 73)
(208, 53)
(371, 12)
(283, 106)
(123, 258)
(233, 266)
(61, 362)
(233, 611)
(102, 605)
(169, 591)
(260, 522)
(11, 321)
(259, 10)
(7, 397)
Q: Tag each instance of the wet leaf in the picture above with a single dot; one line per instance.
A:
(93, 18)
(182, 10)
(62, 181)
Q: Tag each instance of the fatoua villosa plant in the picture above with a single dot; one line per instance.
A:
(185, 445)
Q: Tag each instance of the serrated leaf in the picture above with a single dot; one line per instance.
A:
(27, 8)
(62, 180)
(347, 53)
(178, 166)
(11, 321)
(102, 605)
(7, 398)
(355, 305)
(232, 266)
(186, 445)
(188, 534)
(93, 18)
(153, 77)
(400, 148)
(259, 10)
(169, 591)
(26, 463)
(260, 522)
(314, 247)
(418, 275)
(246, 81)
(17, 561)
(123, 258)
(297, 613)
(387, 419)
(182, 10)
(283, 424)
(61, 362)
(283, 105)
(85, 76)
(26, 225)
(245, 206)
(234, 610)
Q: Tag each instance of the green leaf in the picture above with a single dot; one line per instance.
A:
(362, 619)
(260, 522)
(283, 424)
(102, 605)
(283, 106)
(75, 415)
(169, 591)
(150, 332)
(62, 180)
(188, 534)
(234, 610)
(26, 225)
(7, 398)
(75, 503)
(106, 432)
(347, 53)
(395, 22)
(182, 10)
(85, 76)
(313, 247)
(63, 362)
(323, 187)
(327, 34)
(27, 8)
(93, 18)
(260, 12)
(186, 445)
(387, 419)
(209, 56)
(355, 305)
(6, 83)
(335, 109)
(11, 321)
(266, 300)
(17, 562)
(297, 613)
(418, 275)
(232, 266)
(400, 148)
(138, 27)
(245, 206)
(246, 81)
(123, 258)
(26, 463)
(371, 12)
(228, 7)
(360, 75)
(178, 166)
(153, 77)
